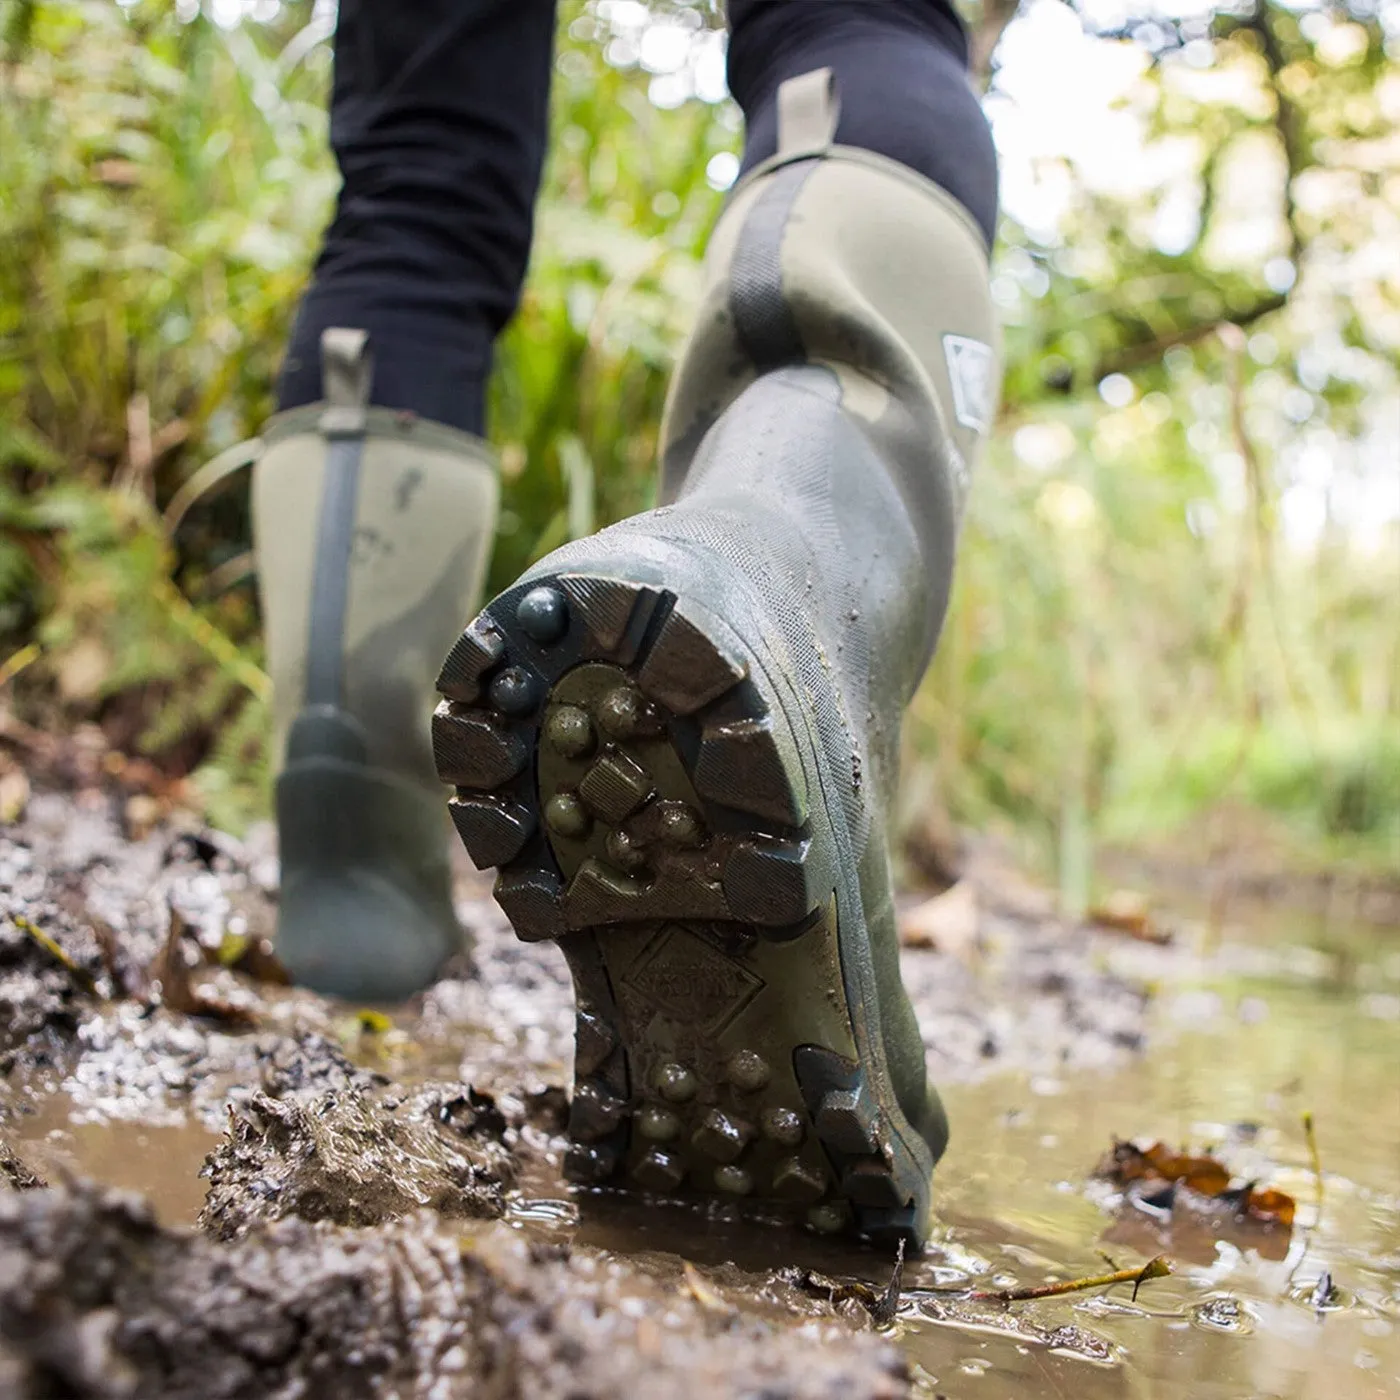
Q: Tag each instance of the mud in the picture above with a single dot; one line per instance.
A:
(358, 1157)
(340, 1201)
(97, 1299)
(15, 1173)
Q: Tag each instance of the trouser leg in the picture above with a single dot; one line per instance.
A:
(901, 71)
(438, 123)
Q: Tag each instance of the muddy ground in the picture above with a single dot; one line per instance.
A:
(212, 1185)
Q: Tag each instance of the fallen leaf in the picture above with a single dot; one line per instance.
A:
(703, 1294)
(254, 956)
(1127, 911)
(1129, 1162)
(1270, 1206)
(172, 974)
(55, 950)
(371, 1022)
(1152, 1175)
(947, 922)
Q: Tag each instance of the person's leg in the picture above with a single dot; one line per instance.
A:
(901, 71)
(438, 122)
(375, 500)
(678, 738)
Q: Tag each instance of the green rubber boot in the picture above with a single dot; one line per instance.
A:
(678, 739)
(372, 530)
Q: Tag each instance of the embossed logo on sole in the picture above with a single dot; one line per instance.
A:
(690, 981)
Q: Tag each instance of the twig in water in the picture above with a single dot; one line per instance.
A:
(1310, 1135)
(887, 1304)
(1156, 1267)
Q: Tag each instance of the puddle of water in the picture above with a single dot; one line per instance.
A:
(1302, 1024)
(159, 1160)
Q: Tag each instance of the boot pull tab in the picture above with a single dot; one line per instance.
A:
(347, 368)
(809, 108)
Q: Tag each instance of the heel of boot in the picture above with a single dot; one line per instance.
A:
(366, 906)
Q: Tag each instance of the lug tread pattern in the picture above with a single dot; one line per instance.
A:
(479, 649)
(750, 765)
(494, 832)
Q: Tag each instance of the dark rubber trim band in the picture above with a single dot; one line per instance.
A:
(762, 318)
(330, 584)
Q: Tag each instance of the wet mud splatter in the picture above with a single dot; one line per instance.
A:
(97, 1299)
(358, 1157)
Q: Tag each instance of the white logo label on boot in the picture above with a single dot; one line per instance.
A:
(971, 365)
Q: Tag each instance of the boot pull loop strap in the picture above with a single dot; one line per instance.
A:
(345, 375)
(809, 108)
(347, 368)
(208, 479)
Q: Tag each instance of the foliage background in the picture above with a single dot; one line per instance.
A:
(1175, 618)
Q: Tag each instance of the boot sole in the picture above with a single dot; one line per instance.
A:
(628, 764)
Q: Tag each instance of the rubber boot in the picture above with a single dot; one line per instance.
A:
(372, 530)
(677, 739)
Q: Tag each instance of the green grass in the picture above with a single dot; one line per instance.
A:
(1107, 671)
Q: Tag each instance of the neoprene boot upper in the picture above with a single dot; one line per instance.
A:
(831, 405)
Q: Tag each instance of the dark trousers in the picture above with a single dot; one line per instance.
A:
(439, 123)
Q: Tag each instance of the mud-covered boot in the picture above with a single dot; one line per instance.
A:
(372, 530)
(677, 739)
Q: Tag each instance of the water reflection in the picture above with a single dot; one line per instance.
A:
(1237, 1060)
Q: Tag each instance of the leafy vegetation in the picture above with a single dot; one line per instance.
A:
(1177, 592)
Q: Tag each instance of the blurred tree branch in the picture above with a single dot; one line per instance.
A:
(1134, 356)
(985, 34)
(1289, 122)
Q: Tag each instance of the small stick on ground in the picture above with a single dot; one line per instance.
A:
(51, 946)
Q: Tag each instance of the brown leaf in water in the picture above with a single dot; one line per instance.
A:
(1128, 1162)
(1151, 1176)
(1269, 1206)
